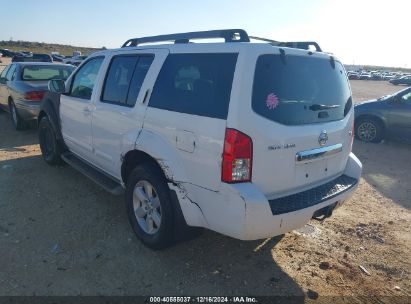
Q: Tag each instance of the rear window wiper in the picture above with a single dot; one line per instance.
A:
(318, 107)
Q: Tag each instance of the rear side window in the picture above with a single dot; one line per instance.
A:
(125, 78)
(198, 84)
(296, 90)
(4, 72)
(11, 72)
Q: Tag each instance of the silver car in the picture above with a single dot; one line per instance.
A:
(22, 87)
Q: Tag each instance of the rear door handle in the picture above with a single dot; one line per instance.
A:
(145, 96)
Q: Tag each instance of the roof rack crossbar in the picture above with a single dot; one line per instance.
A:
(264, 39)
(231, 35)
(304, 45)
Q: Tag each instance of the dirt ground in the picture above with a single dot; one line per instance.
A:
(60, 234)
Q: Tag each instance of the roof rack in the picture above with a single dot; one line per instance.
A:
(304, 45)
(231, 35)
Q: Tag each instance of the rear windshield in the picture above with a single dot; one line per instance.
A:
(46, 72)
(296, 90)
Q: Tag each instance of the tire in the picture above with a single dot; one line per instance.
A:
(173, 227)
(369, 130)
(51, 148)
(149, 207)
(18, 123)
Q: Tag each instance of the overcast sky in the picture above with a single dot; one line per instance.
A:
(357, 31)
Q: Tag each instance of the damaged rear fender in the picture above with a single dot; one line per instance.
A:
(173, 168)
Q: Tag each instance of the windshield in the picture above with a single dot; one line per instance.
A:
(295, 90)
(46, 72)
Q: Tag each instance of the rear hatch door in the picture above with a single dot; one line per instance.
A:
(300, 121)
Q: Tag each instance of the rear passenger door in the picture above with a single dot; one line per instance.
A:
(120, 107)
(188, 109)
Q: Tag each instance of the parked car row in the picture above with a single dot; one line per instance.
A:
(9, 53)
(402, 80)
(25, 56)
(75, 60)
(392, 77)
(32, 58)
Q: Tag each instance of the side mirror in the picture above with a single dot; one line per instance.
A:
(3, 80)
(57, 86)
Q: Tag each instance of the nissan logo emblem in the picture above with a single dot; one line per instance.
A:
(322, 139)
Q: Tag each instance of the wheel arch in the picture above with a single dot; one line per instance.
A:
(155, 148)
(187, 212)
(150, 147)
(47, 109)
(132, 159)
(376, 117)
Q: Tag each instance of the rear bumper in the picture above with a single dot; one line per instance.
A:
(28, 110)
(314, 196)
(243, 212)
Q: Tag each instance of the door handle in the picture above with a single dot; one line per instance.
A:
(145, 96)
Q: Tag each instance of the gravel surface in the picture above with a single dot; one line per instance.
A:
(60, 234)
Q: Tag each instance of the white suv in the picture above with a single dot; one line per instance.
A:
(251, 140)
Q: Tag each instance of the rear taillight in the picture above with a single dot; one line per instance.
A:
(34, 95)
(237, 157)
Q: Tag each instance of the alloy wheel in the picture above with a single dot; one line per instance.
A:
(367, 131)
(147, 208)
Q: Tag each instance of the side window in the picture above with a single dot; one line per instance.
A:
(139, 75)
(198, 84)
(85, 78)
(406, 98)
(124, 79)
(4, 72)
(11, 71)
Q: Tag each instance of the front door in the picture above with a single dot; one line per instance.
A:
(76, 108)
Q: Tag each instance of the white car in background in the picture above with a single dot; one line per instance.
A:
(75, 60)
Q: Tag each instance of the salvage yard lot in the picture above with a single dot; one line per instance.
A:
(60, 234)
